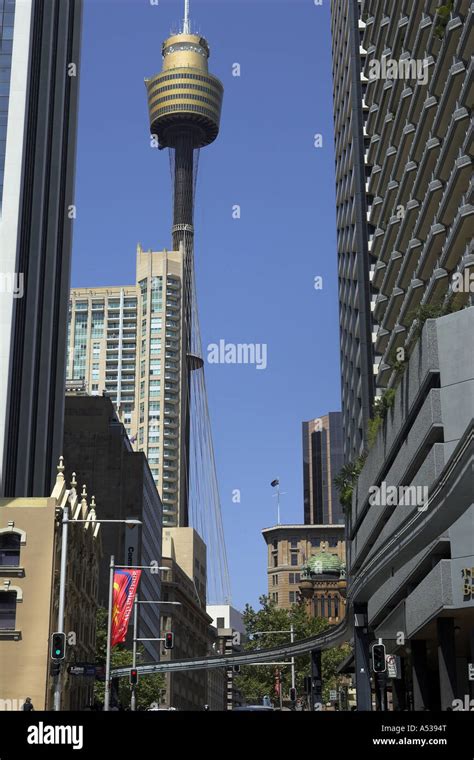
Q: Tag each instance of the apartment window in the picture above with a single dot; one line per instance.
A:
(7, 610)
(294, 578)
(275, 545)
(294, 559)
(275, 560)
(294, 543)
(293, 597)
(333, 541)
(220, 623)
(9, 550)
(275, 597)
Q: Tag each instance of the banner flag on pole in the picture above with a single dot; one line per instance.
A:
(125, 587)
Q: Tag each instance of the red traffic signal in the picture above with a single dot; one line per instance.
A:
(133, 676)
(169, 640)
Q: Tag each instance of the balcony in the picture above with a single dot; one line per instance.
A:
(431, 251)
(462, 231)
(456, 187)
(449, 99)
(428, 208)
(423, 129)
(404, 149)
(391, 273)
(458, 127)
(410, 262)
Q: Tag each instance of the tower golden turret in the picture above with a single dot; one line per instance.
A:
(184, 103)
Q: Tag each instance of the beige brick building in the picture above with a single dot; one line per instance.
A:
(184, 553)
(289, 551)
(30, 541)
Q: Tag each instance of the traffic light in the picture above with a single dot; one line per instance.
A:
(169, 640)
(292, 694)
(378, 658)
(58, 646)
(236, 668)
(307, 684)
(133, 677)
(54, 669)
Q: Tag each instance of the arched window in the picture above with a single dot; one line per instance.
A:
(7, 610)
(10, 550)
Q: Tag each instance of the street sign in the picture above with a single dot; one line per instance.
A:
(332, 695)
(392, 662)
(82, 669)
(471, 671)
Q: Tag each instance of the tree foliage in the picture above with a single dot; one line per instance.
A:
(257, 681)
(149, 687)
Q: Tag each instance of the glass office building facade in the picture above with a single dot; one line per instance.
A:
(7, 19)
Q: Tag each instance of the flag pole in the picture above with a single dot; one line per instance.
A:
(109, 636)
(278, 501)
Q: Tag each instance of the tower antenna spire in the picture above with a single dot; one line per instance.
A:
(186, 23)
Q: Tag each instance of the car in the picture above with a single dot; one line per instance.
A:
(253, 708)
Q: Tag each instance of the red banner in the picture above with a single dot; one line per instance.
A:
(125, 588)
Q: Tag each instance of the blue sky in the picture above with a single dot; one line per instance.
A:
(255, 275)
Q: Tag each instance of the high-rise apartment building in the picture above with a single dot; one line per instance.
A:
(323, 457)
(354, 235)
(410, 523)
(39, 75)
(127, 342)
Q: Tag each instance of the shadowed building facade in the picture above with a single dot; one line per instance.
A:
(323, 457)
(39, 75)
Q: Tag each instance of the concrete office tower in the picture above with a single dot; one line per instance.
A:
(410, 551)
(354, 235)
(419, 170)
(39, 75)
(323, 457)
(127, 342)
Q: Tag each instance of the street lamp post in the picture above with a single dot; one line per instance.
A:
(113, 567)
(133, 700)
(65, 522)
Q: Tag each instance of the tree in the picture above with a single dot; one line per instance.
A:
(256, 681)
(149, 687)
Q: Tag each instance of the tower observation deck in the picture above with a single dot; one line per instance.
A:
(184, 103)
